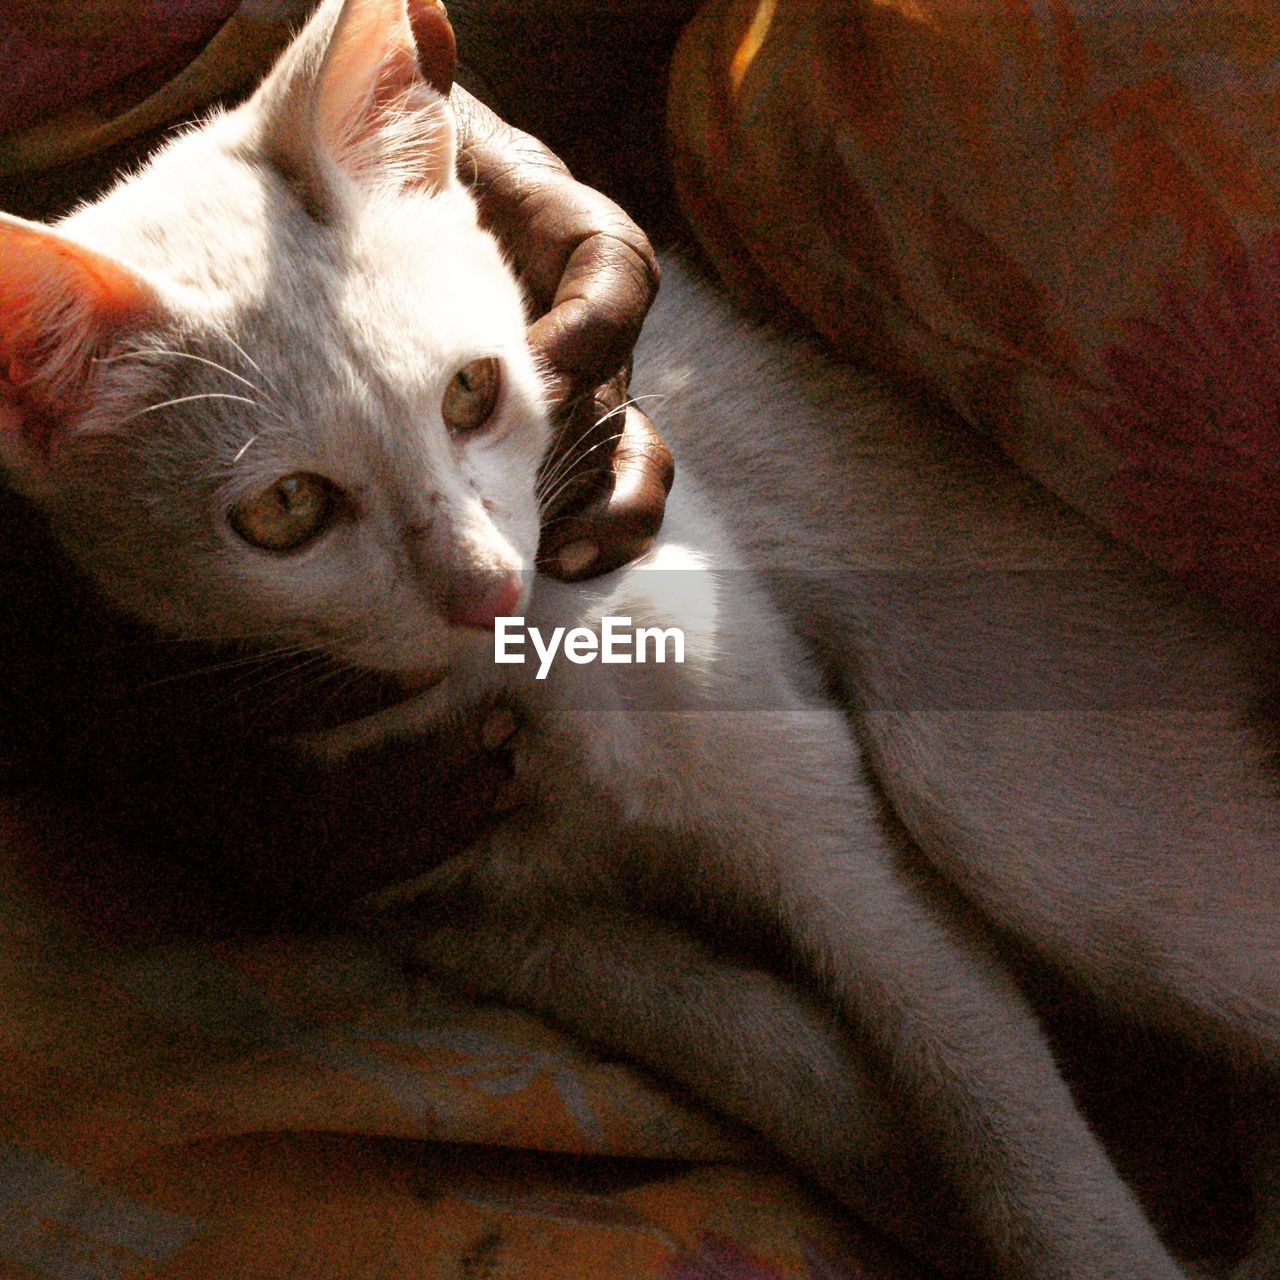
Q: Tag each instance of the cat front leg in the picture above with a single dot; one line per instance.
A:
(789, 829)
(735, 1037)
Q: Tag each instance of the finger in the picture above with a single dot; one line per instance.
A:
(644, 472)
(589, 271)
(604, 293)
(618, 523)
(460, 780)
(524, 195)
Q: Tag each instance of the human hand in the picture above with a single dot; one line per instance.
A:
(591, 275)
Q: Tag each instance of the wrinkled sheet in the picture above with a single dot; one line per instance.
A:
(289, 1106)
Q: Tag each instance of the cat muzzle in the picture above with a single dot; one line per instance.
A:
(480, 608)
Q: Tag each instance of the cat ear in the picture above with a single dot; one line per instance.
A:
(365, 92)
(60, 305)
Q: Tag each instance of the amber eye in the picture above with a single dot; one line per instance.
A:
(472, 395)
(288, 515)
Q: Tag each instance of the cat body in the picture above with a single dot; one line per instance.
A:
(1065, 735)
(276, 386)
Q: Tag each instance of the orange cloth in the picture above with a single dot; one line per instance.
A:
(1062, 218)
(261, 1109)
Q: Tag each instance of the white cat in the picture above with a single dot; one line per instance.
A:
(277, 384)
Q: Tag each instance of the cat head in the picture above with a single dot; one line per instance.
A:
(275, 386)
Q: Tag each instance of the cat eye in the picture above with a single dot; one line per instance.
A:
(288, 515)
(472, 395)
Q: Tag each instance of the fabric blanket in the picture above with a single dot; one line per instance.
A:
(1060, 218)
(275, 1107)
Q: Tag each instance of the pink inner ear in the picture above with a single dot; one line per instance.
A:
(380, 109)
(59, 305)
(370, 61)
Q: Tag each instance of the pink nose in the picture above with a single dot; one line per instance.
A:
(485, 602)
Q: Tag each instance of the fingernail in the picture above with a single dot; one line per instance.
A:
(576, 557)
(497, 729)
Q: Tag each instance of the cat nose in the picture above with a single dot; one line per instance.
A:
(481, 602)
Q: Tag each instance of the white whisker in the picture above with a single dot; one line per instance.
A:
(565, 457)
(545, 501)
(568, 458)
(202, 395)
(626, 404)
(180, 355)
(244, 663)
(250, 361)
(260, 689)
(571, 460)
(246, 637)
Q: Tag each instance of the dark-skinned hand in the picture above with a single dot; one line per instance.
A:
(591, 276)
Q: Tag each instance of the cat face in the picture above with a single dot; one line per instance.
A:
(276, 387)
